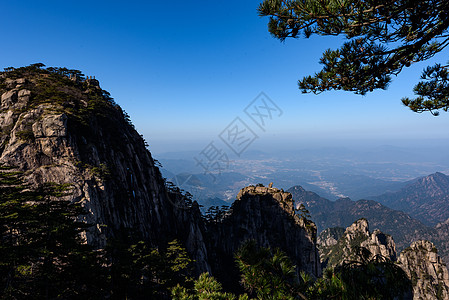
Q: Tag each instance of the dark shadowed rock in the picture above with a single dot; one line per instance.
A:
(266, 215)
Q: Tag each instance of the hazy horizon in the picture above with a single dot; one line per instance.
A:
(272, 145)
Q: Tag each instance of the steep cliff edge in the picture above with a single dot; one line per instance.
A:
(338, 249)
(68, 131)
(58, 126)
(266, 215)
(421, 263)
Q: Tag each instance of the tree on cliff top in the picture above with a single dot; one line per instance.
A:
(383, 37)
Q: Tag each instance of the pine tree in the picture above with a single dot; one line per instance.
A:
(268, 274)
(206, 288)
(139, 271)
(42, 253)
(382, 37)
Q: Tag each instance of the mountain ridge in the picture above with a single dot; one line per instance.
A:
(344, 211)
(425, 198)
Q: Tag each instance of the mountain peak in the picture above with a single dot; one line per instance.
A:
(284, 199)
(426, 199)
(359, 226)
(437, 175)
(357, 235)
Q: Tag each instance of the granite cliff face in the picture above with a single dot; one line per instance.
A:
(266, 215)
(421, 263)
(58, 127)
(429, 275)
(64, 131)
(335, 251)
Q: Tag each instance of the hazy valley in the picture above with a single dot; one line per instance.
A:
(332, 173)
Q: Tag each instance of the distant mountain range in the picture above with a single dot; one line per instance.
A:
(332, 173)
(408, 210)
(344, 211)
(426, 199)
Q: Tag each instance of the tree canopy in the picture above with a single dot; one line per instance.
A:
(42, 254)
(383, 37)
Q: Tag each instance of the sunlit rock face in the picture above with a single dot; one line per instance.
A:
(71, 132)
(57, 130)
(421, 263)
(344, 247)
(429, 275)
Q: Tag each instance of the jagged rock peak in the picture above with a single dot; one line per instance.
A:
(359, 226)
(424, 267)
(376, 242)
(355, 237)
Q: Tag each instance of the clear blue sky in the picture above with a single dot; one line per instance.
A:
(183, 70)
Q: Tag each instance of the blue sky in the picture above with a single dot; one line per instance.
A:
(183, 70)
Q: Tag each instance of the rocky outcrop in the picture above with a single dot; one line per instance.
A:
(355, 237)
(343, 212)
(266, 215)
(56, 129)
(421, 263)
(110, 171)
(329, 237)
(429, 275)
(71, 132)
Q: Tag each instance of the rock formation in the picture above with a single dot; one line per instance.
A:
(343, 212)
(266, 215)
(355, 236)
(56, 129)
(329, 237)
(421, 263)
(429, 275)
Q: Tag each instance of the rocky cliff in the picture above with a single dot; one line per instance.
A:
(346, 248)
(343, 212)
(429, 275)
(421, 263)
(70, 131)
(58, 126)
(266, 215)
